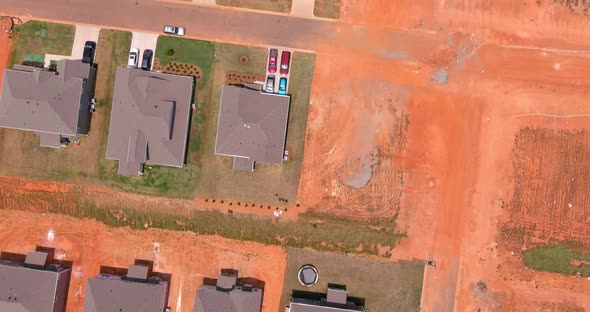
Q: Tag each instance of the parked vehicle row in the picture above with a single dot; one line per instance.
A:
(146, 62)
(273, 61)
(285, 61)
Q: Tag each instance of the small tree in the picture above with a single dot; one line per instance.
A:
(170, 52)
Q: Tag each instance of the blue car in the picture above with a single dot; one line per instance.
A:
(283, 86)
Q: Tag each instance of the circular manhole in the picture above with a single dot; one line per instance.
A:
(308, 275)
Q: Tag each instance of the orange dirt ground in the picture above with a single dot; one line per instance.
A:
(187, 257)
(448, 176)
(384, 140)
(4, 48)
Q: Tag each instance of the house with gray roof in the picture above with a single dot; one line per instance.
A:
(137, 288)
(35, 282)
(229, 294)
(252, 126)
(150, 120)
(336, 300)
(51, 103)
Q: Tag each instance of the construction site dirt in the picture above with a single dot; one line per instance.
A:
(187, 257)
(442, 128)
(438, 153)
(5, 42)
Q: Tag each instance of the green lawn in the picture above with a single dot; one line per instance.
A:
(328, 233)
(385, 286)
(35, 37)
(163, 180)
(20, 153)
(281, 6)
(205, 174)
(267, 183)
(557, 259)
(327, 8)
(196, 52)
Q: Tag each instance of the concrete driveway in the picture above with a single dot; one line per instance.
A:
(83, 34)
(144, 41)
(303, 8)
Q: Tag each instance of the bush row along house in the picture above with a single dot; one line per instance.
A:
(150, 116)
(37, 282)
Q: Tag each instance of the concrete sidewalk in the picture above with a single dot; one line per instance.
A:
(204, 2)
(303, 8)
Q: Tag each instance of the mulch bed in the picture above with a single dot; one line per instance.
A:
(178, 69)
(241, 78)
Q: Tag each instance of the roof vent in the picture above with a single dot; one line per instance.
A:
(36, 260)
(138, 273)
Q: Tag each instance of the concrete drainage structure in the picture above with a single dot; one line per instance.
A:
(308, 275)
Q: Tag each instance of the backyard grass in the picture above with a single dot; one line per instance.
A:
(385, 286)
(204, 174)
(20, 153)
(333, 234)
(327, 8)
(163, 180)
(312, 230)
(35, 37)
(282, 6)
(557, 259)
(267, 184)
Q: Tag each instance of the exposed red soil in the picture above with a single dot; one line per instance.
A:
(42, 196)
(5, 43)
(383, 140)
(457, 158)
(187, 257)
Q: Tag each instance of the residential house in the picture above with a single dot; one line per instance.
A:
(52, 103)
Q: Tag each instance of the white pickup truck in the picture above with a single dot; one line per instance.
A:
(174, 30)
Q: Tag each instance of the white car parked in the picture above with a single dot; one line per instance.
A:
(174, 30)
(133, 56)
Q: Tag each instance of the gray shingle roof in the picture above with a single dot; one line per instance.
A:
(252, 125)
(43, 101)
(336, 300)
(149, 119)
(135, 289)
(209, 299)
(36, 290)
(228, 295)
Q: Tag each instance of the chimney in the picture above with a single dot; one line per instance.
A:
(36, 260)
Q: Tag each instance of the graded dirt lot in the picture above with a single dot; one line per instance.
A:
(186, 256)
(431, 129)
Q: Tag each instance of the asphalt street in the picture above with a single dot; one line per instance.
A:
(206, 22)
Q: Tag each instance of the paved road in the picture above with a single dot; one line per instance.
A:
(205, 22)
(230, 25)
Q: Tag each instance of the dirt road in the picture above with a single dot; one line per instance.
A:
(187, 257)
(454, 160)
